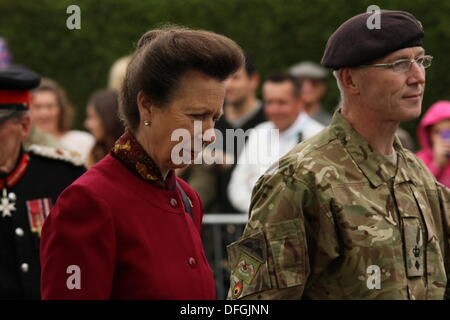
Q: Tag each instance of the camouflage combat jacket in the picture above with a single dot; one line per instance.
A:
(334, 220)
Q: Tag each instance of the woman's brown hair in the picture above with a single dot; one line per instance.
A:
(67, 113)
(163, 56)
(105, 103)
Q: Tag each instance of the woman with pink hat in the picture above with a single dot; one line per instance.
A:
(434, 139)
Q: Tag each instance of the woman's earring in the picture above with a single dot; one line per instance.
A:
(146, 123)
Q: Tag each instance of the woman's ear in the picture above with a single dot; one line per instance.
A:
(145, 107)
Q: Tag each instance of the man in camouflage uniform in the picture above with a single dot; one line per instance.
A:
(350, 213)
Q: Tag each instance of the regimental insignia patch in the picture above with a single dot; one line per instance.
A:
(415, 248)
(237, 290)
(246, 268)
(38, 210)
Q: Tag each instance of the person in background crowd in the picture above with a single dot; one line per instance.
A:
(117, 73)
(433, 134)
(242, 110)
(36, 135)
(42, 138)
(5, 54)
(30, 182)
(284, 107)
(314, 88)
(129, 224)
(52, 112)
(103, 123)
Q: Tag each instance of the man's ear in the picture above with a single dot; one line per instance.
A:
(144, 106)
(349, 79)
(25, 126)
(254, 78)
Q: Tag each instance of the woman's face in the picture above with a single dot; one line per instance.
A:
(94, 123)
(440, 132)
(45, 111)
(199, 99)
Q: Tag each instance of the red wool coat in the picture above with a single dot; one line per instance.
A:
(129, 239)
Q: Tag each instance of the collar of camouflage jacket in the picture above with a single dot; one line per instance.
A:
(377, 168)
(130, 152)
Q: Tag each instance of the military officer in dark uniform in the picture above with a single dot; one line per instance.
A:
(30, 182)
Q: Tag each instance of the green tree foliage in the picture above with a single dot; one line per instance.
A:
(277, 33)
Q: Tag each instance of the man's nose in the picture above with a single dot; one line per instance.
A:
(227, 83)
(306, 87)
(417, 74)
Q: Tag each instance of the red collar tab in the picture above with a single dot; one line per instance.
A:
(18, 172)
(15, 97)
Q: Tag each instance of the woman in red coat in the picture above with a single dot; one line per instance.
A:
(129, 228)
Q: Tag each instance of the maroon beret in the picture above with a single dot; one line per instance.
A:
(354, 43)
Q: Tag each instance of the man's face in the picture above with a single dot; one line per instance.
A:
(280, 104)
(394, 96)
(312, 90)
(240, 86)
(12, 133)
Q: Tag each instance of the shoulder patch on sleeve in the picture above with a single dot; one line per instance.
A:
(247, 259)
(57, 154)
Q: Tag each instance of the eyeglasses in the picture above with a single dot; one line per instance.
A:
(404, 64)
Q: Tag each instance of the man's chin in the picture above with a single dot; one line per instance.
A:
(411, 112)
(236, 101)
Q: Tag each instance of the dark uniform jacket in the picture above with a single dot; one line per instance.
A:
(27, 194)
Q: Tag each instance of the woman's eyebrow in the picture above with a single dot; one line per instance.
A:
(204, 110)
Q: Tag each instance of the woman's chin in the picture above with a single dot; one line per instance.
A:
(184, 164)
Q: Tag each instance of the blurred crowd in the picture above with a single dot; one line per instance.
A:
(291, 103)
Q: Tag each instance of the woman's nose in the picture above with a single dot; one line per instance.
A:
(208, 135)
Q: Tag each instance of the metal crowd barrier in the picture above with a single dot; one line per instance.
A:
(217, 229)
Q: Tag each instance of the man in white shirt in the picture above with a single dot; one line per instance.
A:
(288, 125)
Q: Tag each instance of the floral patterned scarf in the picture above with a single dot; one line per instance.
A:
(129, 151)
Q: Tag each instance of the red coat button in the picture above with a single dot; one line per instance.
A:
(192, 262)
(173, 202)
